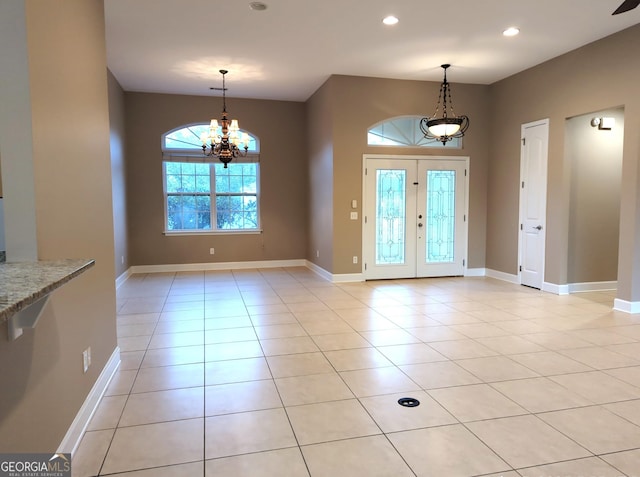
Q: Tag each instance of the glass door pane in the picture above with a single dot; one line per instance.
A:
(390, 216)
(441, 216)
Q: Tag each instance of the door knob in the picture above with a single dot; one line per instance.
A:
(419, 224)
(539, 227)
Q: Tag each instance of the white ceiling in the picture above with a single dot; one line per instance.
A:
(287, 51)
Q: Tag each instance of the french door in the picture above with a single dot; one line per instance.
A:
(415, 217)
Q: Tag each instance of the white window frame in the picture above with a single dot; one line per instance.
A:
(195, 155)
(213, 195)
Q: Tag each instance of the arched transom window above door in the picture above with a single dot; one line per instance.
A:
(404, 131)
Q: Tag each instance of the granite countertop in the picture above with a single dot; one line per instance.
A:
(23, 283)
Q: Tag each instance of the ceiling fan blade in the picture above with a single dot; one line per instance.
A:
(626, 6)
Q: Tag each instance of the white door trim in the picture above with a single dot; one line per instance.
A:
(521, 218)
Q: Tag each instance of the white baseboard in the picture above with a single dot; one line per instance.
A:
(318, 269)
(475, 272)
(592, 286)
(506, 277)
(196, 267)
(555, 288)
(626, 306)
(123, 278)
(72, 438)
(578, 287)
(346, 277)
(337, 278)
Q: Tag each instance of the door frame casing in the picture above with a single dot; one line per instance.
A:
(416, 157)
(521, 213)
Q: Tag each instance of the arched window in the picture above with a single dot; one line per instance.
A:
(187, 139)
(403, 131)
(201, 196)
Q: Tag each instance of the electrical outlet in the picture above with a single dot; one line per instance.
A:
(317, 253)
(353, 216)
(86, 359)
(122, 260)
(355, 259)
(212, 251)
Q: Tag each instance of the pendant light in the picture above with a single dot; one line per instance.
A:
(447, 126)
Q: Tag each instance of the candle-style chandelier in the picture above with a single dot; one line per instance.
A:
(223, 140)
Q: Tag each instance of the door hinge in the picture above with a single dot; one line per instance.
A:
(365, 267)
(464, 262)
(523, 184)
(464, 218)
(365, 219)
(524, 141)
(465, 173)
(366, 171)
(520, 267)
(521, 228)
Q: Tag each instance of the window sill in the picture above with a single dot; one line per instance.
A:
(174, 233)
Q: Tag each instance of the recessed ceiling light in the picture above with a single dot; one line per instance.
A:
(390, 20)
(511, 31)
(258, 6)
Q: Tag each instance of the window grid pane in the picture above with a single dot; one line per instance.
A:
(236, 196)
(188, 212)
(189, 196)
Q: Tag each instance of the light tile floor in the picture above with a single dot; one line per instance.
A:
(280, 373)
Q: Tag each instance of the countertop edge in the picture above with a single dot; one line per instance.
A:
(34, 295)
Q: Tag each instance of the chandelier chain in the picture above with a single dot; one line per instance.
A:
(448, 89)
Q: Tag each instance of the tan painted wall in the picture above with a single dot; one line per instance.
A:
(598, 76)
(16, 135)
(320, 218)
(43, 385)
(118, 175)
(357, 104)
(283, 179)
(595, 159)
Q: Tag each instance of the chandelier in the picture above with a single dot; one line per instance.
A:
(223, 141)
(448, 126)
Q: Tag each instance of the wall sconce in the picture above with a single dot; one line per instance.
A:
(605, 124)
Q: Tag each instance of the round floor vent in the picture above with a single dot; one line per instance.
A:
(408, 402)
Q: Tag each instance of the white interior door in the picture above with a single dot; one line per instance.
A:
(415, 212)
(533, 202)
